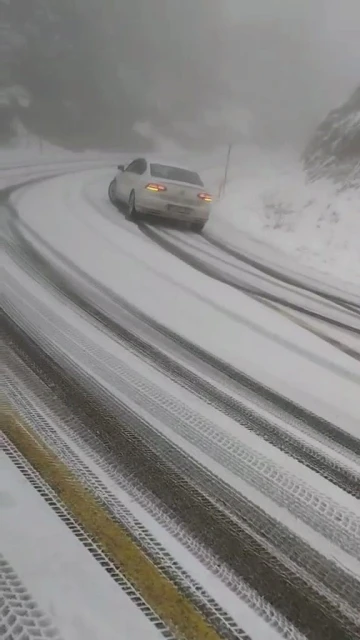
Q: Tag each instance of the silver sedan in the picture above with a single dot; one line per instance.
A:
(163, 191)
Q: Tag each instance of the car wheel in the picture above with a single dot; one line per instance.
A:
(198, 226)
(132, 213)
(112, 193)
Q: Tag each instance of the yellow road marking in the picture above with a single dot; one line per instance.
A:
(178, 613)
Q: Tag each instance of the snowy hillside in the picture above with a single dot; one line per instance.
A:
(309, 210)
(334, 151)
(317, 224)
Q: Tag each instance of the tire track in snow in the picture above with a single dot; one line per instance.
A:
(303, 419)
(228, 405)
(199, 245)
(32, 409)
(342, 584)
(230, 540)
(280, 275)
(63, 512)
(21, 618)
(313, 507)
(211, 270)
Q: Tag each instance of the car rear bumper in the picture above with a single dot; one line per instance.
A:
(171, 211)
(165, 215)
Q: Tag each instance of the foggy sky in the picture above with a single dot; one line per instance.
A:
(317, 63)
(266, 70)
(286, 62)
(331, 30)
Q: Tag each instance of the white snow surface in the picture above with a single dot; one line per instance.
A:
(316, 225)
(223, 321)
(66, 581)
(45, 322)
(128, 321)
(262, 212)
(29, 158)
(241, 612)
(74, 325)
(27, 148)
(269, 206)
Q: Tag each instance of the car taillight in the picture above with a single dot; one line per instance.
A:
(155, 187)
(206, 197)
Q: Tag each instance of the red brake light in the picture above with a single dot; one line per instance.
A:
(155, 187)
(206, 197)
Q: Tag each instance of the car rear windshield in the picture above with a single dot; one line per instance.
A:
(174, 173)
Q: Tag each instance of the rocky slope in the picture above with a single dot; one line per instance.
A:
(334, 151)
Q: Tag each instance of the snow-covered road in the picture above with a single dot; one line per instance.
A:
(69, 595)
(243, 379)
(232, 326)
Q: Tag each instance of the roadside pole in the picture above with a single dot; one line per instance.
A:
(227, 168)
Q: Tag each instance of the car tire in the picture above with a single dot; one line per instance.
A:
(132, 213)
(112, 193)
(198, 226)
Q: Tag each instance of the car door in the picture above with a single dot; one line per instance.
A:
(122, 178)
(119, 180)
(129, 178)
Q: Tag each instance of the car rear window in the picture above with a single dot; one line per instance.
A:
(174, 173)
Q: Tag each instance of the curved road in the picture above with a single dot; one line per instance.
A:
(223, 392)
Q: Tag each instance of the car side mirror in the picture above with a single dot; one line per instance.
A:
(121, 167)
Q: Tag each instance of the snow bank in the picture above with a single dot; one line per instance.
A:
(29, 157)
(28, 149)
(318, 223)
